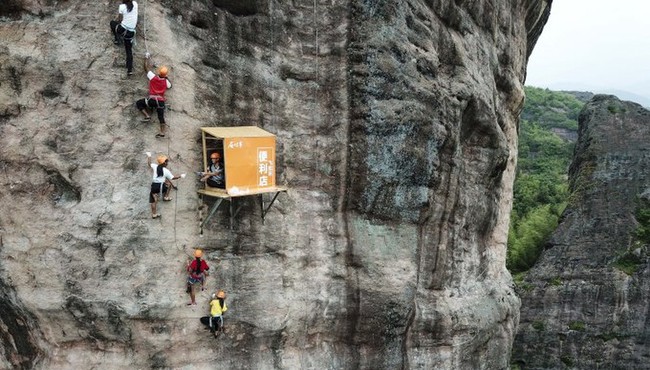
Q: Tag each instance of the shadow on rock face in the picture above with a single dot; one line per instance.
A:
(238, 7)
(11, 8)
(53, 87)
(64, 190)
(17, 328)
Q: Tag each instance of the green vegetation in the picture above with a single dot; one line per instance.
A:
(613, 109)
(538, 325)
(520, 283)
(528, 235)
(642, 232)
(577, 326)
(541, 169)
(541, 185)
(583, 184)
(607, 336)
(628, 263)
(551, 108)
(567, 361)
(556, 281)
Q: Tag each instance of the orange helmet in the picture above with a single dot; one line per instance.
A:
(198, 253)
(162, 71)
(162, 159)
(221, 294)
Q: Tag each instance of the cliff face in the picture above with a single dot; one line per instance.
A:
(396, 126)
(585, 303)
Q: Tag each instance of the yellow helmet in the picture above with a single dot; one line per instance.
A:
(162, 71)
(221, 294)
(162, 159)
(198, 253)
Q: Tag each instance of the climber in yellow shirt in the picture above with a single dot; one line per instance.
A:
(217, 309)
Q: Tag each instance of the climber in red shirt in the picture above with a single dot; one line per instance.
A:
(158, 84)
(197, 272)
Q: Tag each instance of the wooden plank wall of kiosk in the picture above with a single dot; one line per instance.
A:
(248, 157)
(249, 163)
(205, 153)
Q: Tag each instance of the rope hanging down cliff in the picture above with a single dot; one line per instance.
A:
(155, 65)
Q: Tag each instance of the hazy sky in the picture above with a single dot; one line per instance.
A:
(594, 45)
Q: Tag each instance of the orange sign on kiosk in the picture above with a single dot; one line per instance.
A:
(248, 154)
(248, 160)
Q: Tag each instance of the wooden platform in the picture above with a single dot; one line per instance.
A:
(222, 194)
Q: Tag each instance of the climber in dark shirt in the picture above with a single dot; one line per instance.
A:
(214, 175)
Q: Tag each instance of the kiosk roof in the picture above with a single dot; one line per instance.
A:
(237, 131)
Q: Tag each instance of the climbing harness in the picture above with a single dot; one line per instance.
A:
(219, 324)
(159, 103)
(126, 33)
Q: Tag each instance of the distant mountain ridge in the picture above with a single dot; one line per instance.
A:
(628, 96)
(583, 96)
(589, 90)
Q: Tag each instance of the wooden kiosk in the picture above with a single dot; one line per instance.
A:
(248, 154)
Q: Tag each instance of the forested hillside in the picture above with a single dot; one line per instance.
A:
(548, 124)
(584, 303)
(553, 109)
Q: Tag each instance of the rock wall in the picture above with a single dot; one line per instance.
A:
(585, 303)
(396, 127)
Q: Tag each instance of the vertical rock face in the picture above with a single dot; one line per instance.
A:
(585, 303)
(396, 126)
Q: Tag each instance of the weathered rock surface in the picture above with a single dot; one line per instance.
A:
(396, 124)
(580, 309)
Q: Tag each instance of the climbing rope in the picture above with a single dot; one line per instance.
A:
(146, 47)
(316, 18)
(144, 25)
(175, 199)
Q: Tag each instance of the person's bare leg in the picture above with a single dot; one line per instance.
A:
(146, 115)
(154, 206)
(192, 295)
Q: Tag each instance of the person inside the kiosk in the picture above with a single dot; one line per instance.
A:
(214, 175)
